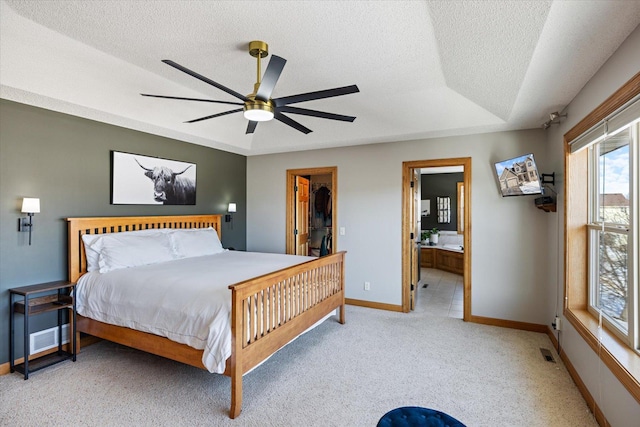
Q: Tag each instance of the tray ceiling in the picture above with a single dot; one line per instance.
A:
(424, 68)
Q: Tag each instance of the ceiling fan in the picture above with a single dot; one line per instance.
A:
(259, 106)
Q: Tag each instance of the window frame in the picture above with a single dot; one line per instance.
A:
(597, 224)
(622, 360)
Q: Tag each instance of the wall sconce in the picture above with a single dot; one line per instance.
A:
(30, 206)
(231, 209)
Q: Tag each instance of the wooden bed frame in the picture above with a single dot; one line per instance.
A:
(284, 303)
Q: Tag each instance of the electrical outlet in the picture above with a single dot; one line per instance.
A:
(342, 231)
(367, 286)
(557, 324)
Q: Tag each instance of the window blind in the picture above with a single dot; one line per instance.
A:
(616, 121)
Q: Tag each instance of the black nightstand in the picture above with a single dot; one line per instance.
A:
(32, 304)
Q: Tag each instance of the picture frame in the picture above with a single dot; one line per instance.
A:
(137, 179)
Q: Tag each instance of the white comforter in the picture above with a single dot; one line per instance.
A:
(186, 300)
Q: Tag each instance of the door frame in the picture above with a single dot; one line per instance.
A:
(290, 238)
(407, 228)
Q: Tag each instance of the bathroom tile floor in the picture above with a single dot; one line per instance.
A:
(443, 296)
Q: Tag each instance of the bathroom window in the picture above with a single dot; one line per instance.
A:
(460, 215)
(444, 209)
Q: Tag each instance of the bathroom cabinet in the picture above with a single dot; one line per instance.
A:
(442, 259)
(450, 261)
(428, 257)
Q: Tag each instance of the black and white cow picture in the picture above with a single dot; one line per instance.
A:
(170, 187)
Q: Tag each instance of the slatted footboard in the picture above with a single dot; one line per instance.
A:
(267, 311)
(271, 310)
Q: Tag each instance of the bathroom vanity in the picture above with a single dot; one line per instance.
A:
(443, 258)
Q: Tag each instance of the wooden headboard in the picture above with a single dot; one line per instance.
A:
(94, 225)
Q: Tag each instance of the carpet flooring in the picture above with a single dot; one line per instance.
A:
(335, 375)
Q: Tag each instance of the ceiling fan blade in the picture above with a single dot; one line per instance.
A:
(192, 99)
(310, 96)
(215, 115)
(288, 121)
(315, 113)
(270, 78)
(251, 127)
(204, 79)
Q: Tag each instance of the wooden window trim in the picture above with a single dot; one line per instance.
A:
(623, 361)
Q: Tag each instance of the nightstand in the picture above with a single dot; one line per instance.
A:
(32, 304)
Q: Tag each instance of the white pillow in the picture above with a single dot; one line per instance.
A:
(91, 249)
(195, 242)
(132, 251)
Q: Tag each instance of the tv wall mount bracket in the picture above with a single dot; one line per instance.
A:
(548, 178)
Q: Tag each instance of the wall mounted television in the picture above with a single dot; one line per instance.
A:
(518, 176)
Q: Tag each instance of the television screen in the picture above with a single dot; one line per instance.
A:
(519, 176)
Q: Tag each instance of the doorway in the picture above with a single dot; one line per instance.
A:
(409, 220)
(311, 217)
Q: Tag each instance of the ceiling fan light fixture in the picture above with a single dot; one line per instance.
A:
(259, 106)
(258, 111)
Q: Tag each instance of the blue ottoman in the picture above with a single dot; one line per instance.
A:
(409, 416)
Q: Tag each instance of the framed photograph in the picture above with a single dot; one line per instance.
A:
(144, 180)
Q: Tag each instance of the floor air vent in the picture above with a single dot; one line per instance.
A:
(547, 355)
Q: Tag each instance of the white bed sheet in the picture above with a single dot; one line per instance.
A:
(185, 300)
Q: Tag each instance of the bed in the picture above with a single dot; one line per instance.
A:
(267, 311)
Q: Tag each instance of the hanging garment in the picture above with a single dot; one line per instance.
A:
(323, 201)
(323, 246)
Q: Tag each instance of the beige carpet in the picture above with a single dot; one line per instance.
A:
(335, 375)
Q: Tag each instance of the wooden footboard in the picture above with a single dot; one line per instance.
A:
(267, 311)
(271, 310)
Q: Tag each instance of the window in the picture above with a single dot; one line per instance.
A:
(611, 235)
(602, 232)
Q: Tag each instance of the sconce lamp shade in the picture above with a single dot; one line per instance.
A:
(232, 207)
(30, 205)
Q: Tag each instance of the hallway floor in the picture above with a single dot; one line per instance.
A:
(443, 296)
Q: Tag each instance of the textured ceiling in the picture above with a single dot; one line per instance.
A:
(424, 68)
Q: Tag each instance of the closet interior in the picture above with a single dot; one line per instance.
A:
(320, 209)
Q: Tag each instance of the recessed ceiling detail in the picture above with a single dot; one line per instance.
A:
(424, 69)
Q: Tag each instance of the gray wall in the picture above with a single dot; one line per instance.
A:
(65, 161)
(369, 207)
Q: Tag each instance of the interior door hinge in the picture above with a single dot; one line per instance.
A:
(295, 232)
(411, 236)
(413, 287)
(412, 182)
(295, 188)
